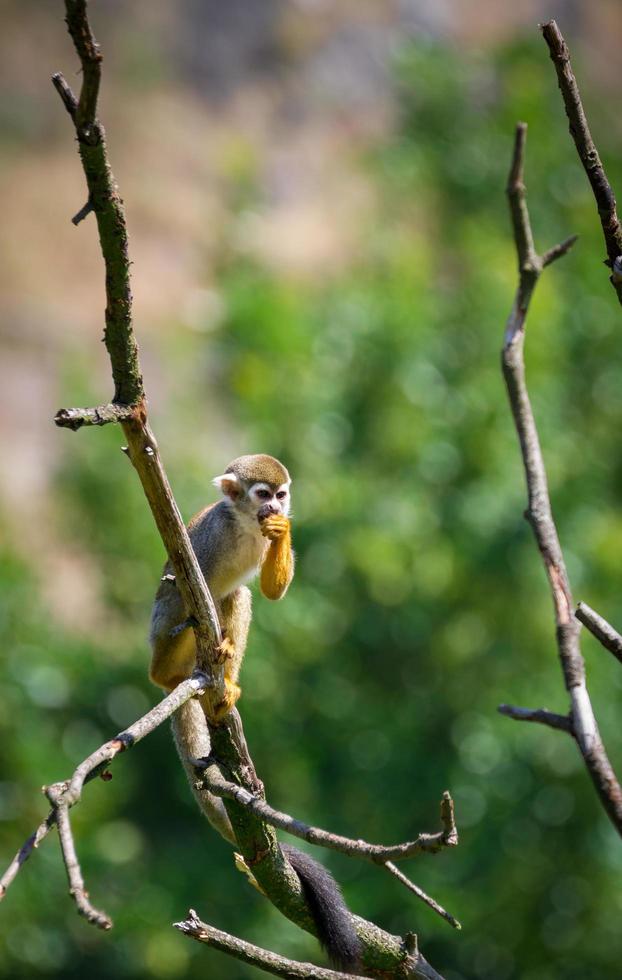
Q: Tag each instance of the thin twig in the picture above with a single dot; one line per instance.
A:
(25, 851)
(601, 629)
(211, 779)
(71, 790)
(77, 888)
(539, 513)
(419, 892)
(539, 715)
(64, 90)
(263, 959)
(557, 251)
(588, 154)
(82, 213)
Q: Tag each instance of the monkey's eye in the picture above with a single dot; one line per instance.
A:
(281, 494)
(263, 494)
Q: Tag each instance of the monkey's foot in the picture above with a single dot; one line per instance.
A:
(274, 526)
(222, 709)
(224, 652)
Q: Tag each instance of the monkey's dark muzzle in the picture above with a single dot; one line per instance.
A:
(265, 511)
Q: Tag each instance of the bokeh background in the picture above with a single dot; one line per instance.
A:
(323, 265)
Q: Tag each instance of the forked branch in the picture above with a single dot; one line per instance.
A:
(66, 794)
(539, 514)
(211, 778)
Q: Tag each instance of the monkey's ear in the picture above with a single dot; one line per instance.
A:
(228, 484)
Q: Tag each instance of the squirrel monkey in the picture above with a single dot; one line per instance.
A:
(245, 533)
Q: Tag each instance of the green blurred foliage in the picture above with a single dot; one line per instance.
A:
(419, 603)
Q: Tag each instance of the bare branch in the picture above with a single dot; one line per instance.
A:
(82, 213)
(419, 892)
(539, 512)
(530, 264)
(263, 959)
(588, 154)
(75, 418)
(557, 251)
(540, 715)
(211, 779)
(69, 100)
(515, 190)
(413, 963)
(448, 819)
(601, 629)
(25, 851)
(90, 59)
(77, 888)
(108, 206)
(68, 793)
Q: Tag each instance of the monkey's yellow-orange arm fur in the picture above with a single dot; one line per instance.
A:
(278, 565)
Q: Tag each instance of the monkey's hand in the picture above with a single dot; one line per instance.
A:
(277, 567)
(274, 526)
(224, 652)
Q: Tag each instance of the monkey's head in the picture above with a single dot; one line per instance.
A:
(256, 485)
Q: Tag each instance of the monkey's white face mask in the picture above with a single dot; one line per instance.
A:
(270, 499)
(255, 497)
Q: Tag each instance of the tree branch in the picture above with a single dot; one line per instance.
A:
(25, 851)
(263, 959)
(540, 715)
(67, 794)
(90, 59)
(601, 629)
(279, 965)
(588, 154)
(82, 213)
(75, 418)
(539, 512)
(77, 888)
(419, 892)
(64, 90)
(211, 779)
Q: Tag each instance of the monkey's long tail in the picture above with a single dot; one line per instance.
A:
(328, 909)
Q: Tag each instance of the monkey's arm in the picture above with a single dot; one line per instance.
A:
(277, 569)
